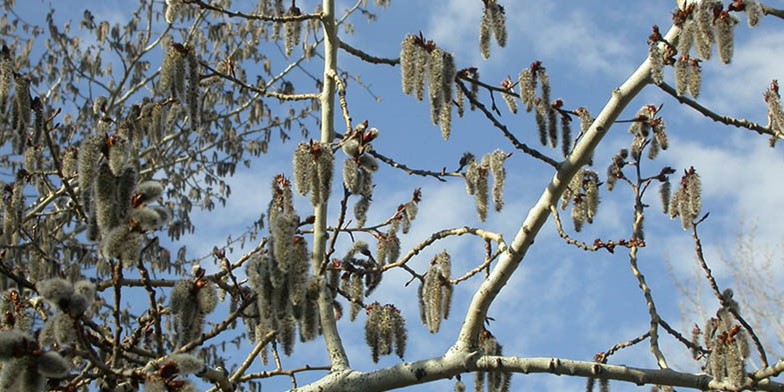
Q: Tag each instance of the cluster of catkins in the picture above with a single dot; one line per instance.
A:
(361, 275)
(775, 112)
(26, 366)
(493, 23)
(190, 302)
(435, 292)
(313, 167)
(496, 381)
(385, 328)
(71, 301)
(293, 30)
(583, 193)
(179, 79)
(117, 206)
(687, 200)
(25, 363)
(476, 179)
(727, 342)
(646, 123)
(702, 24)
(162, 376)
(359, 168)
(287, 295)
(421, 60)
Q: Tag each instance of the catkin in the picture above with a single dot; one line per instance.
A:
(725, 36)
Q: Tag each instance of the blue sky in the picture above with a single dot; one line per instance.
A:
(562, 301)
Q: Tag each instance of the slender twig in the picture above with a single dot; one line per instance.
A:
(602, 357)
(341, 90)
(717, 292)
(486, 235)
(154, 309)
(677, 335)
(117, 275)
(752, 126)
(242, 15)
(773, 11)
(515, 142)
(418, 172)
(366, 57)
(252, 356)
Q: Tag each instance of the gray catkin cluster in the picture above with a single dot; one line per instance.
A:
(293, 31)
(583, 193)
(173, 70)
(13, 208)
(313, 167)
(287, 295)
(688, 76)
(25, 366)
(656, 60)
(496, 381)
(71, 301)
(362, 275)
(421, 61)
(476, 179)
(728, 344)
(435, 292)
(6, 71)
(359, 168)
(493, 23)
(648, 130)
(190, 302)
(687, 200)
(385, 329)
(118, 207)
(775, 111)
(546, 112)
(705, 24)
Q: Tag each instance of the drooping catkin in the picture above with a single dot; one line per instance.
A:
(695, 78)
(173, 70)
(509, 98)
(704, 18)
(493, 22)
(303, 168)
(527, 85)
(6, 71)
(282, 231)
(298, 270)
(681, 70)
(686, 37)
(656, 60)
(436, 78)
(325, 167)
(497, 159)
(22, 104)
(725, 35)
(192, 97)
(566, 135)
(664, 195)
(754, 12)
(541, 121)
(89, 155)
(481, 196)
(106, 203)
(293, 30)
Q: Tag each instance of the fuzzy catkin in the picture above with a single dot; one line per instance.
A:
(725, 36)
